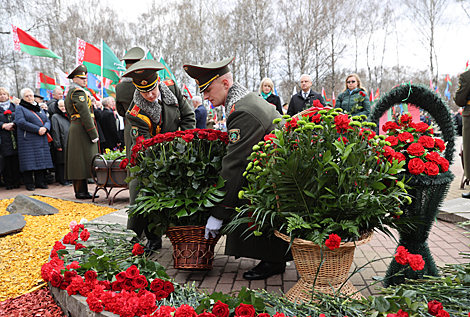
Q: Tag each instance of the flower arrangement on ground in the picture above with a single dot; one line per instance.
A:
(111, 155)
(322, 173)
(179, 176)
(415, 144)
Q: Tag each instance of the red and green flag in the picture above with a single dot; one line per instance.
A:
(90, 56)
(23, 42)
(149, 56)
(166, 72)
(186, 91)
(45, 82)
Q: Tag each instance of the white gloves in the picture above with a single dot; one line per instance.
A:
(95, 140)
(212, 227)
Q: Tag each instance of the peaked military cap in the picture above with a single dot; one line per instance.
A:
(206, 74)
(38, 96)
(144, 74)
(134, 55)
(79, 71)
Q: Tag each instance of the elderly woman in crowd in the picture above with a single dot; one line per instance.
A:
(266, 90)
(9, 144)
(353, 99)
(33, 148)
(60, 131)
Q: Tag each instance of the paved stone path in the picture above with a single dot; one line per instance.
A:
(446, 241)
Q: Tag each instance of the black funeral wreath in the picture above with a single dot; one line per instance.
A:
(426, 99)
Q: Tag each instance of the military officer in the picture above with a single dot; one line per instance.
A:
(125, 93)
(250, 118)
(462, 99)
(83, 136)
(157, 107)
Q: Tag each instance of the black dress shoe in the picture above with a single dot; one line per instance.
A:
(153, 245)
(16, 186)
(264, 269)
(467, 195)
(42, 185)
(30, 187)
(8, 187)
(85, 196)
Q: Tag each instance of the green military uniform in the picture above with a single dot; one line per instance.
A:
(125, 93)
(176, 114)
(462, 99)
(80, 148)
(250, 118)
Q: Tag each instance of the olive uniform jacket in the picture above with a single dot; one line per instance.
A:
(462, 99)
(124, 96)
(176, 114)
(250, 119)
(80, 149)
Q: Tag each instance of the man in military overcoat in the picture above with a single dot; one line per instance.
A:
(250, 118)
(462, 99)
(83, 136)
(125, 93)
(157, 107)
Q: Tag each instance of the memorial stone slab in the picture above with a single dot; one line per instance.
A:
(455, 210)
(29, 206)
(11, 223)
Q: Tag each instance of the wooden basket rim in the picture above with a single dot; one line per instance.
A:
(301, 242)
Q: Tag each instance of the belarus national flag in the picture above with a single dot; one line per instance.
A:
(43, 81)
(24, 42)
(90, 56)
(188, 93)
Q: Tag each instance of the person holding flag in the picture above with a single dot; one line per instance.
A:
(82, 141)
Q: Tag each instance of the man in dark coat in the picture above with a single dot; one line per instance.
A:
(109, 125)
(52, 106)
(200, 111)
(125, 93)
(157, 107)
(249, 119)
(304, 99)
(462, 99)
(83, 134)
(60, 132)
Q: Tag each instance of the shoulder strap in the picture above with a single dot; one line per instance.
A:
(37, 116)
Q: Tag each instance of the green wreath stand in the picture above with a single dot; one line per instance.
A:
(427, 192)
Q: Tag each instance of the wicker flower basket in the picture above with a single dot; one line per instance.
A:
(333, 273)
(191, 250)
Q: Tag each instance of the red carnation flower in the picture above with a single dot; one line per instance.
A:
(363, 94)
(426, 141)
(342, 123)
(79, 246)
(291, 125)
(185, 311)
(7, 112)
(137, 249)
(440, 144)
(244, 310)
(402, 255)
(398, 156)
(416, 166)
(416, 262)
(433, 157)
(85, 235)
(415, 149)
(269, 136)
(434, 307)
(220, 309)
(388, 151)
(421, 127)
(392, 139)
(390, 126)
(431, 169)
(406, 137)
(444, 163)
(316, 118)
(206, 314)
(405, 118)
(333, 241)
(344, 139)
(74, 265)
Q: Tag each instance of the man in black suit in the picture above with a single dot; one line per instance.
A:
(109, 124)
(304, 99)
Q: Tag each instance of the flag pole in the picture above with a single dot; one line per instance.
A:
(102, 84)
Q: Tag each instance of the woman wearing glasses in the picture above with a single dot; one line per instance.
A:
(353, 99)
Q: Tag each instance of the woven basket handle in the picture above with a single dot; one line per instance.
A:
(423, 98)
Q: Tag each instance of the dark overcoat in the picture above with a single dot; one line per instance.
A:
(298, 103)
(201, 117)
(275, 101)
(80, 149)
(124, 96)
(109, 127)
(60, 132)
(33, 149)
(462, 99)
(6, 145)
(251, 118)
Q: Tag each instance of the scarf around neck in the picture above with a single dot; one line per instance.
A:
(5, 105)
(265, 96)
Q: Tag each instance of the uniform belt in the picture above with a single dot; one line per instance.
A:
(77, 115)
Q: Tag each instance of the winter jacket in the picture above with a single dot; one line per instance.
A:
(6, 146)
(350, 102)
(109, 128)
(33, 149)
(201, 117)
(275, 101)
(298, 103)
(60, 132)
